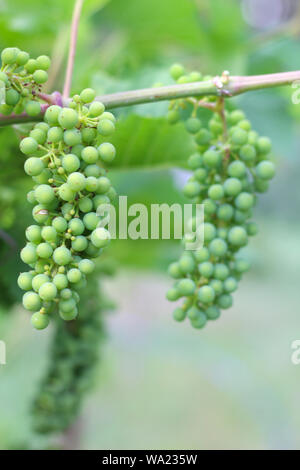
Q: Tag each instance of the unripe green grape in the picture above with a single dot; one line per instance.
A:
(9, 55)
(44, 250)
(105, 127)
(195, 161)
(206, 269)
(66, 294)
(91, 220)
(222, 232)
(174, 271)
(217, 286)
(39, 135)
(248, 153)
(183, 79)
(109, 116)
(191, 189)
(85, 204)
(263, 145)
(252, 229)
(172, 294)
(230, 285)
(206, 294)
(76, 181)
(240, 216)
(51, 114)
(218, 247)
(203, 137)
(216, 192)
(245, 124)
(68, 118)
(41, 266)
(212, 158)
(239, 136)
(86, 266)
(237, 169)
(209, 231)
(265, 170)
(193, 312)
(70, 163)
(33, 166)
(92, 251)
(32, 108)
(76, 226)
(100, 237)
(40, 76)
(40, 321)
(179, 314)
(60, 281)
(55, 134)
(225, 212)
(200, 321)
(4, 78)
(187, 264)
(33, 233)
(215, 127)
(48, 291)
(107, 152)
(173, 116)
(193, 125)
(90, 154)
(236, 116)
(209, 207)
(200, 174)
(96, 109)
(59, 224)
(31, 301)
(186, 287)
(176, 71)
(66, 193)
(103, 185)
(72, 137)
(212, 312)
(91, 184)
(43, 62)
(237, 236)
(62, 256)
(221, 272)
(27, 146)
(232, 186)
(261, 186)
(80, 243)
(40, 213)
(244, 201)
(74, 275)
(69, 316)
(225, 301)
(31, 65)
(25, 281)
(66, 306)
(87, 95)
(202, 254)
(43, 177)
(5, 109)
(93, 170)
(12, 97)
(44, 194)
(39, 280)
(241, 265)
(28, 254)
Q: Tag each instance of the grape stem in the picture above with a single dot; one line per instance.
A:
(224, 87)
(72, 49)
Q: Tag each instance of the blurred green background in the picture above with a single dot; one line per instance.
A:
(162, 385)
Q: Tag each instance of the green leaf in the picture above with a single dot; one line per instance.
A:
(150, 142)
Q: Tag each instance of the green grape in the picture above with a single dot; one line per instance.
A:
(232, 186)
(31, 65)
(248, 153)
(202, 254)
(9, 55)
(33, 234)
(68, 118)
(218, 247)
(107, 152)
(40, 76)
(172, 294)
(224, 301)
(25, 281)
(212, 312)
(195, 161)
(239, 136)
(206, 294)
(39, 135)
(237, 236)
(92, 170)
(48, 291)
(69, 316)
(59, 224)
(72, 137)
(65, 294)
(40, 213)
(28, 254)
(265, 170)
(186, 287)
(49, 234)
(12, 97)
(176, 71)
(43, 62)
(179, 314)
(91, 184)
(44, 250)
(221, 272)
(173, 116)
(105, 127)
(251, 228)
(244, 201)
(39, 280)
(200, 321)
(174, 271)
(51, 114)
(74, 275)
(76, 226)
(100, 237)
(65, 192)
(91, 220)
(62, 256)
(263, 145)
(86, 266)
(40, 321)
(80, 243)
(55, 134)
(31, 301)
(187, 264)
(44, 194)
(230, 285)
(217, 286)
(225, 212)
(206, 269)
(193, 125)
(96, 109)
(85, 205)
(212, 158)
(191, 189)
(60, 281)
(216, 192)
(209, 231)
(32, 108)
(28, 146)
(87, 95)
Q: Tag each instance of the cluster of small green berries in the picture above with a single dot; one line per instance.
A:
(21, 79)
(72, 364)
(67, 154)
(230, 166)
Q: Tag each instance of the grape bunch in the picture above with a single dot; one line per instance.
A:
(72, 365)
(66, 157)
(230, 166)
(21, 79)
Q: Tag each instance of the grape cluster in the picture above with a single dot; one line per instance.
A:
(73, 360)
(21, 79)
(231, 165)
(66, 159)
